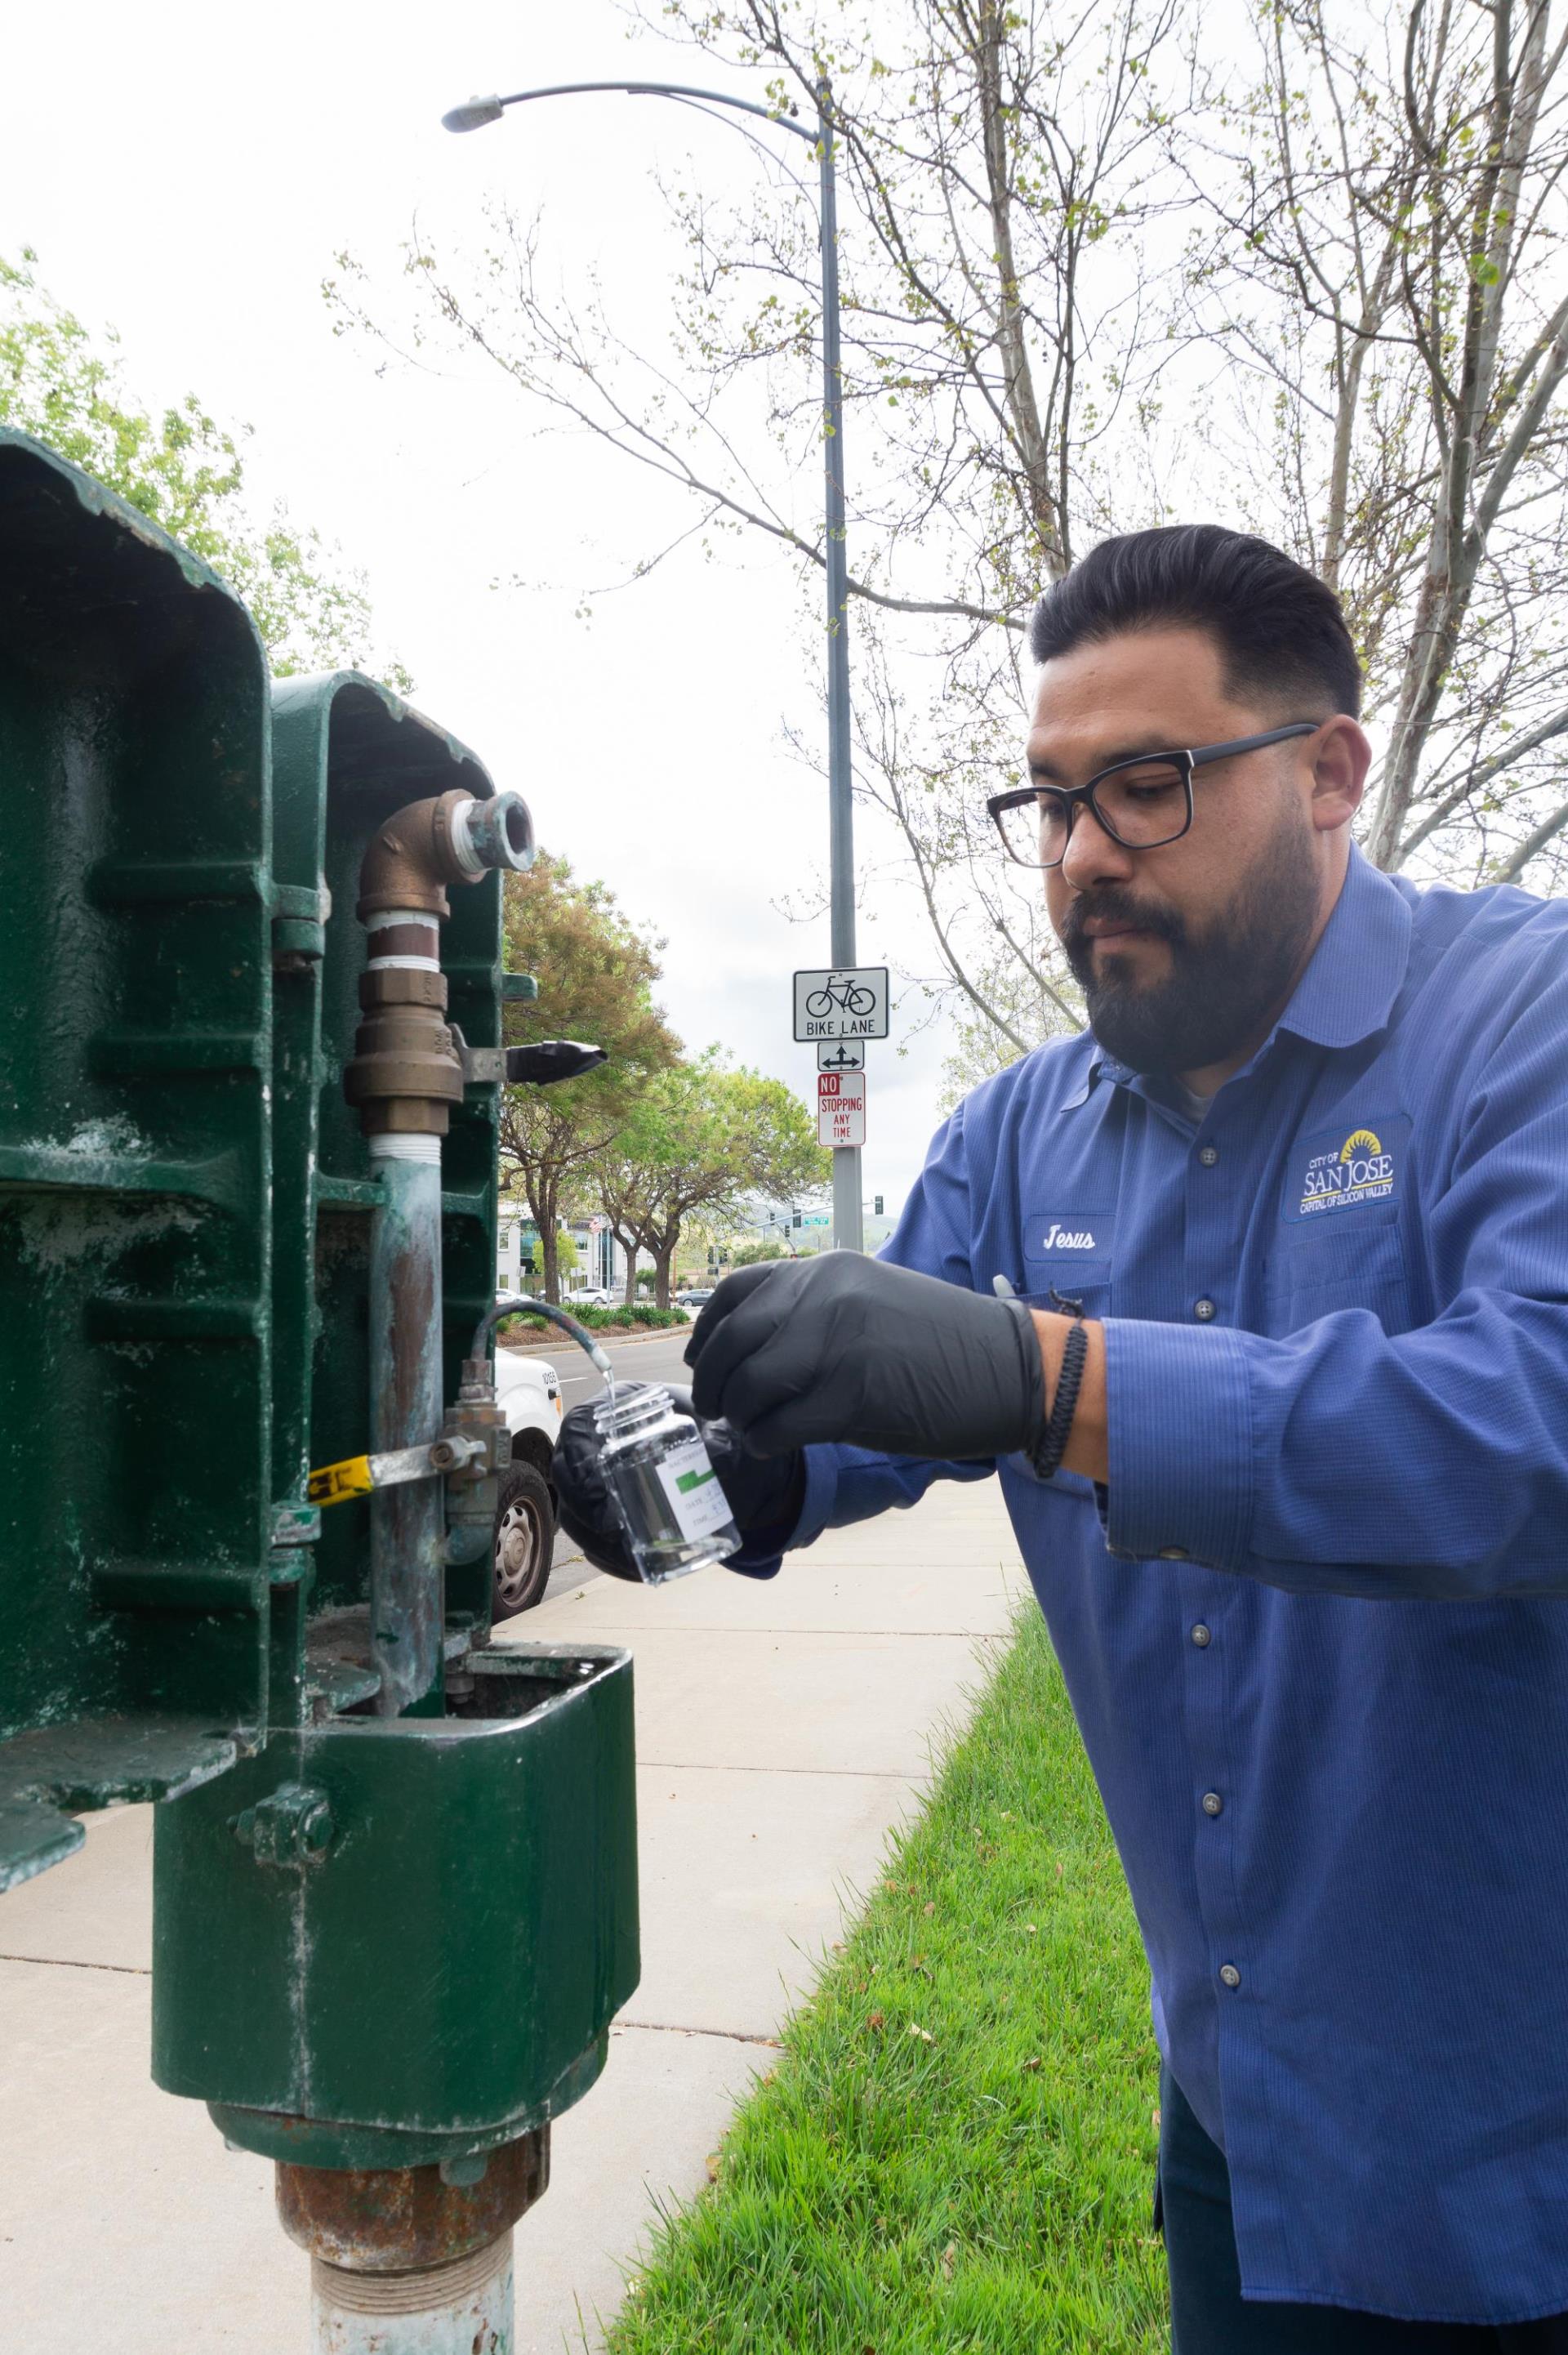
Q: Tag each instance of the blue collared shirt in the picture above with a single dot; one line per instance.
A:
(1315, 1632)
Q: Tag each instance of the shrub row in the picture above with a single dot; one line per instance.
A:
(641, 1316)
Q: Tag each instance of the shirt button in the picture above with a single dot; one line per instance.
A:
(1173, 1553)
(1201, 1635)
(1229, 1975)
(1202, 1310)
(1212, 1803)
(1208, 1155)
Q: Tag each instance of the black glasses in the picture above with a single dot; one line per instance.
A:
(1140, 803)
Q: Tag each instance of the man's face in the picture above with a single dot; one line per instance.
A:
(1186, 952)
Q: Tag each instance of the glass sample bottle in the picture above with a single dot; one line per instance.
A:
(676, 1514)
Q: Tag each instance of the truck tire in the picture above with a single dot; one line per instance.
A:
(524, 1542)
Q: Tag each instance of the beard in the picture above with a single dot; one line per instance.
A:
(1225, 984)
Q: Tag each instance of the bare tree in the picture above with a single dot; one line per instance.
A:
(1004, 168)
(1097, 276)
(1383, 276)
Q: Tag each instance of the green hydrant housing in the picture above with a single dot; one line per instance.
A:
(394, 1910)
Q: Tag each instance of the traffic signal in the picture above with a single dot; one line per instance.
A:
(795, 1219)
(877, 1206)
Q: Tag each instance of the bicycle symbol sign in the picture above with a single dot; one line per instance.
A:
(840, 1004)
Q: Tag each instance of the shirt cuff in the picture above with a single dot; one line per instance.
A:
(763, 1550)
(761, 1556)
(821, 1494)
(1179, 1443)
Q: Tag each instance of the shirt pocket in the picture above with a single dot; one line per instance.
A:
(1074, 1249)
(1091, 1291)
(1319, 1270)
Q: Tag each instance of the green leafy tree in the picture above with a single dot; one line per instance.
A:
(185, 473)
(700, 1142)
(754, 1254)
(595, 972)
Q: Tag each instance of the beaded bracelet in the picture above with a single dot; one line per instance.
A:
(1064, 1406)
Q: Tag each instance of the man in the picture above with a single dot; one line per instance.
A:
(1289, 1217)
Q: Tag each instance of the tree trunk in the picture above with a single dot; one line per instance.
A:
(542, 1200)
(628, 1249)
(663, 1260)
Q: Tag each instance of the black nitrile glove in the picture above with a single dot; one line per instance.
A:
(762, 1496)
(860, 1351)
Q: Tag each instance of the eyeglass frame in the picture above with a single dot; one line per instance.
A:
(1196, 757)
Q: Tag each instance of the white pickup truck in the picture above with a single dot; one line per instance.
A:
(528, 1389)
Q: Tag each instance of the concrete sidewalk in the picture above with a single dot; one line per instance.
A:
(782, 1729)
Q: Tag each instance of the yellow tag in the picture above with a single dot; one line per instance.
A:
(333, 1482)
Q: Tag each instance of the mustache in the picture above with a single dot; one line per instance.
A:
(1115, 905)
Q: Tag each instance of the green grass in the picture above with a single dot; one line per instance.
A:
(956, 2148)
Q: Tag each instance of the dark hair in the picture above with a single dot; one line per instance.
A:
(1280, 630)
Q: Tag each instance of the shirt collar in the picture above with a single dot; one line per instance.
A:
(1349, 987)
(1358, 968)
(1095, 1061)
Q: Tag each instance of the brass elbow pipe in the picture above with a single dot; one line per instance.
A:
(406, 1072)
(450, 839)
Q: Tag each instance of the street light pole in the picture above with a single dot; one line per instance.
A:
(848, 1231)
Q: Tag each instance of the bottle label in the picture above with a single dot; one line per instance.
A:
(697, 1499)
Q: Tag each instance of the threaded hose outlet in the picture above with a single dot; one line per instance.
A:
(461, 2309)
(496, 833)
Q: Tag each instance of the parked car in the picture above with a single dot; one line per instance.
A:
(528, 1389)
(697, 1296)
(590, 1296)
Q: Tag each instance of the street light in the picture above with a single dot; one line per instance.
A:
(473, 116)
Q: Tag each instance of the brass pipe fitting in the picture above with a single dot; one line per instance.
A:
(406, 1072)
(415, 855)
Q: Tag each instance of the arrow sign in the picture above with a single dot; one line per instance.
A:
(840, 1055)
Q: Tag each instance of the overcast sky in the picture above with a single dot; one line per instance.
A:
(189, 175)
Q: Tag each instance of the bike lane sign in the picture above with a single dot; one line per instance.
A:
(841, 1003)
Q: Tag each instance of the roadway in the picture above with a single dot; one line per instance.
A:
(659, 1358)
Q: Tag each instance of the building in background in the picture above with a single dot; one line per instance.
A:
(601, 1265)
(797, 1230)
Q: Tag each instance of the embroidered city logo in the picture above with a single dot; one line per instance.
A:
(1061, 1238)
(1359, 1171)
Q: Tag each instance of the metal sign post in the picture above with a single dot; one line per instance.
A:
(473, 116)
